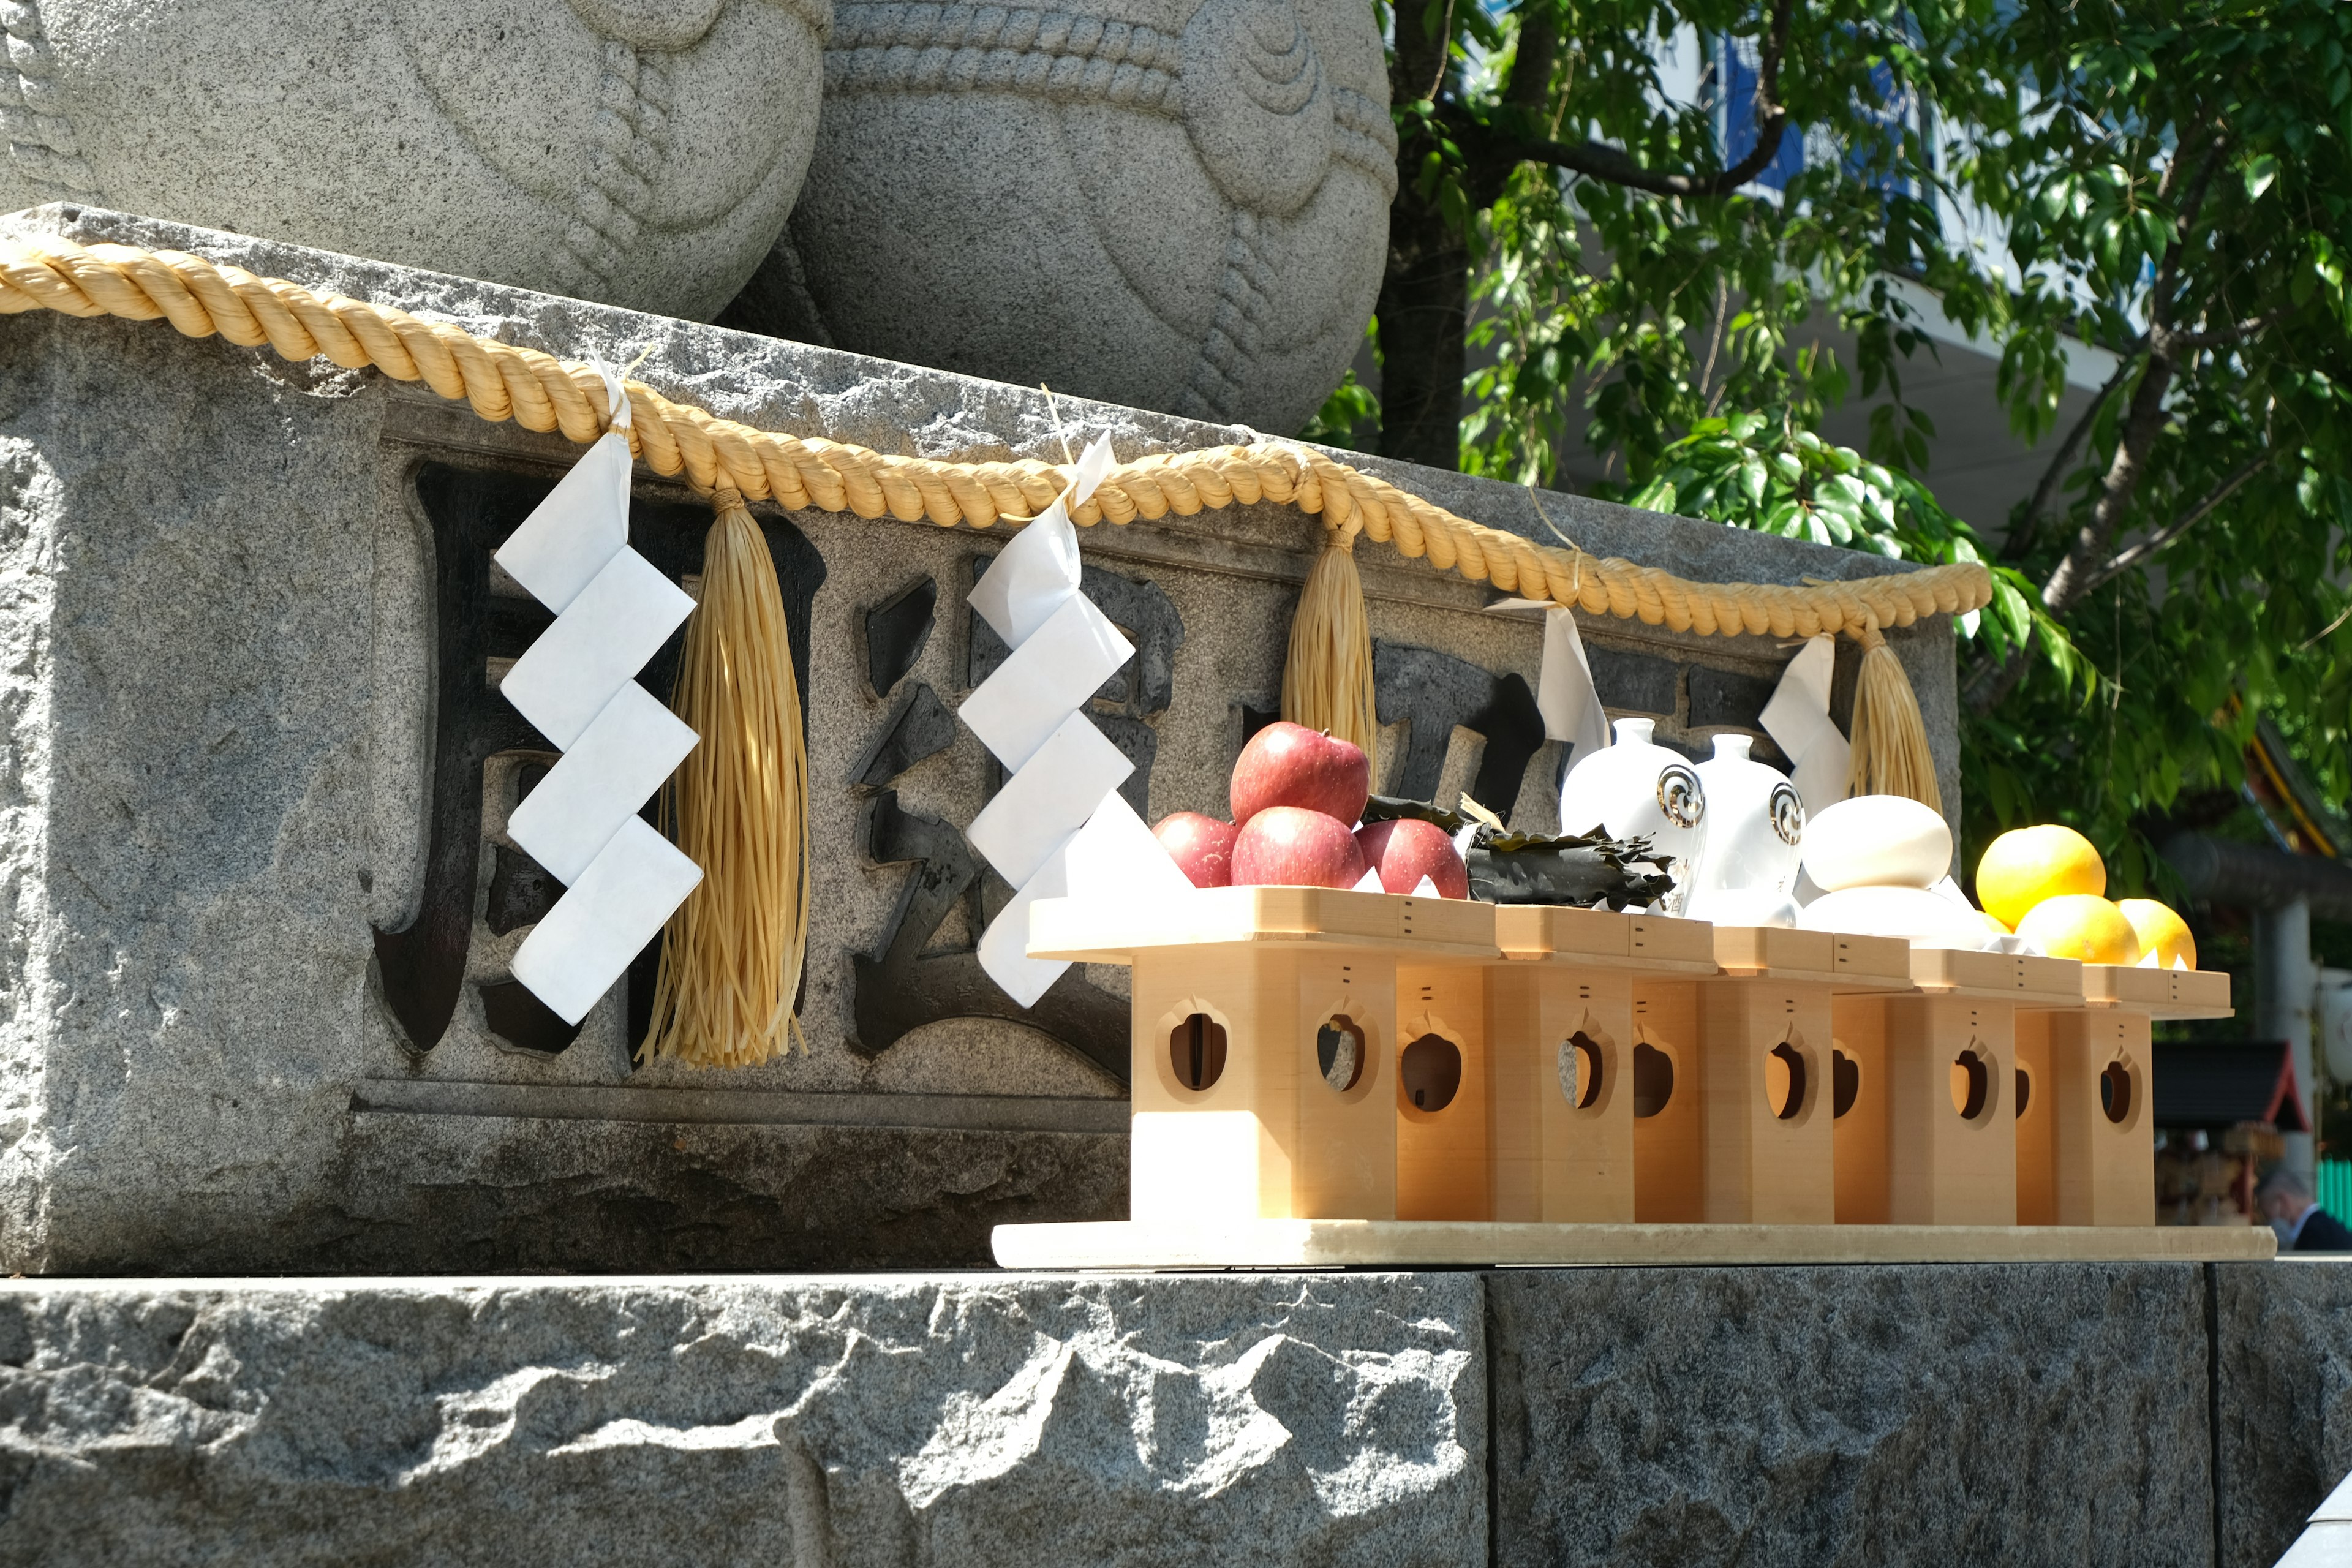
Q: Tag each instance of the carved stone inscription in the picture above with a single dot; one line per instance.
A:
(1436, 693)
(471, 512)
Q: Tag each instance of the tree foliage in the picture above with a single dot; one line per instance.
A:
(2165, 182)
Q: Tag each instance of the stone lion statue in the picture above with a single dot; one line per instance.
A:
(640, 153)
(1180, 205)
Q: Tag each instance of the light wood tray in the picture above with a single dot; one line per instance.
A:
(1096, 932)
(1829, 958)
(2033, 984)
(2159, 993)
(1400, 1244)
(1603, 939)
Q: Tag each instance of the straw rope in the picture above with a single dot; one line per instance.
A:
(1890, 738)
(732, 954)
(1326, 675)
(500, 382)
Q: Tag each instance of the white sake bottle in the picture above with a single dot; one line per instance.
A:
(1637, 788)
(1755, 837)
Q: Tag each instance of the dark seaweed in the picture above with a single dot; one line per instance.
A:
(1392, 808)
(1587, 870)
(1588, 875)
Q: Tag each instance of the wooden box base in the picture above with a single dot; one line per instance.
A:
(1407, 1244)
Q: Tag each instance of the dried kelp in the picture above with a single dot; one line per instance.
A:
(1591, 872)
(1587, 870)
(1392, 808)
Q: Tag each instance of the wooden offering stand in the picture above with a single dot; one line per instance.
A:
(2093, 1163)
(1270, 1077)
(1325, 1077)
(1571, 1014)
(1766, 1079)
(1931, 1090)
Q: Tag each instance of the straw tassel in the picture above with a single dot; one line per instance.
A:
(732, 954)
(1890, 738)
(1327, 682)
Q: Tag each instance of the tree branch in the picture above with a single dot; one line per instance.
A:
(1444, 51)
(2167, 273)
(2192, 342)
(2021, 538)
(2084, 567)
(1599, 160)
(2143, 421)
(2129, 559)
(1529, 86)
(1715, 341)
(2087, 564)
(2071, 581)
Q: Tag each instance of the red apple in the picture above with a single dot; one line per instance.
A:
(1406, 850)
(1290, 846)
(1202, 846)
(1290, 765)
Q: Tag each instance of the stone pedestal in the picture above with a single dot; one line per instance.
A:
(2050, 1414)
(255, 1006)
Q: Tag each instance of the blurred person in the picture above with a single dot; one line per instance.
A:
(2285, 1199)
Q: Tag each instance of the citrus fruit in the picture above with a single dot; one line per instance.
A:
(2164, 939)
(2027, 865)
(2081, 925)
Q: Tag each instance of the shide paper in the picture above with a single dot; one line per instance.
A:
(577, 684)
(1030, 715)
(1798, 720)
(1565, 694)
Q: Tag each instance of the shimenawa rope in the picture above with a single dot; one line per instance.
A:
(733, 955)
(539, 391)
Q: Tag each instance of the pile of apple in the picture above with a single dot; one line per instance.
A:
(1297, 797)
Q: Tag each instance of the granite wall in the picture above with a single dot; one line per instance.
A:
(256, 900)
(2282, 1403)
(2015, 1414)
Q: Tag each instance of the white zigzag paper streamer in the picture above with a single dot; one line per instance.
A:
(1030, 715)
(1564, 691)
(1798, 720)
(577, 684)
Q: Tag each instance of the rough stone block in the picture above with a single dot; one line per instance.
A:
(2018, 1415)
(2282, 1402)
(1014, 1421)
(256, 777)
(1638, 682)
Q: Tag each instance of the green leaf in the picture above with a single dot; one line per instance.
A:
(1751, 481)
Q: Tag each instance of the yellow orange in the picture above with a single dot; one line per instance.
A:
(2026, 866)
(2081, 925)
(2164, 939)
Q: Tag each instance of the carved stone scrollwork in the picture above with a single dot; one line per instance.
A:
(1181, 207)
(641, 152)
